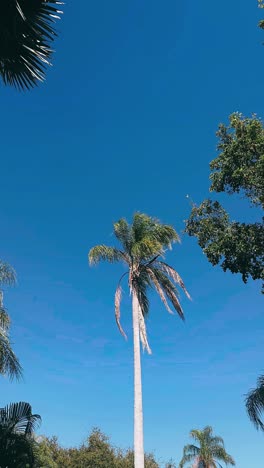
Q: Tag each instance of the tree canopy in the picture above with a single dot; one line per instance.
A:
(239, 168)
(95, 452)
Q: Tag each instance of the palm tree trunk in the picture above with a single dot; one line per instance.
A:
(138, 413)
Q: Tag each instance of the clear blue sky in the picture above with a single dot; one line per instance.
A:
(126, 121)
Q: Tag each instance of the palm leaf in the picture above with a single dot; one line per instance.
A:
(191, 449)
(123, 233)
(7, 274)
(169, 289)
(255, 403)
(9, 363)
(18, 418)
(220, 454)
(158, 288)
(186, 459)
(26, 34)
(4, 320)
(174, 275)
(118, 295)
(103, 252)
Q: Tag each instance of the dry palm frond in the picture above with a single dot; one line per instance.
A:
(159, 289)
(118, 295)
(143, 331)
(174, 275)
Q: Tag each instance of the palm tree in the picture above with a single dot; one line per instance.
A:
(255, 403)
(210, 453)
(142, 245)
(9, 364)
(26, 32)
(17, 444)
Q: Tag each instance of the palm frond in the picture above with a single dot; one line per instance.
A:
(216, 440)
(7, 274)
(169, 289)
(191, 449)
(141, 226)
(196, 435)
(174, 275)
(4, 320)
(26, 34)
(186, 459)
(18, 418)
(123, 233)
(141, 283)
(159, 289)
(9, 363)
(165, 234)
(105, 253)
(118, 295)
(255, 403)
(146, 248)
(143, 331)
(220, 454)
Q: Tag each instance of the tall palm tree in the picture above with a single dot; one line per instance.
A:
(210, 453)
(9, 363)
(143, 245)
(26, 34)
(255, 403)
(17, 444)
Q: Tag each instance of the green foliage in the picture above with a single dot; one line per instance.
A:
(96, 452)
(240, 165)
(26, 34)
(143, 243)
(239, 168)
(255, 404)
(17, 445)
(210, 451)
(9, 363)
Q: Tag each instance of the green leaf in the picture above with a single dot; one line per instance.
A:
(105, 253)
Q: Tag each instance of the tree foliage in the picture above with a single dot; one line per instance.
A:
(95, 452)
(239, 168)
(209, 452)
(26, 34)
(143, 244)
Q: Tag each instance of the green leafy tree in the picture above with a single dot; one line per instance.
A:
(18, 448)
(95, 452)
(143, 244)
(51, 453)
(26, 34)
(239, 168)
(45, 455)
(209, 453)
(126, 460)
(9, 363)
(255, 403)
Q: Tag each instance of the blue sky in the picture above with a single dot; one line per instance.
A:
(126, 121)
